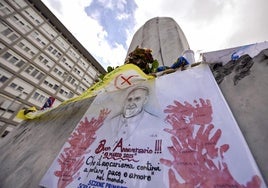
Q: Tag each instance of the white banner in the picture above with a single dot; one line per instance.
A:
(174, 131)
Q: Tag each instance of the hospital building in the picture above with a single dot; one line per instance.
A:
(39, 58)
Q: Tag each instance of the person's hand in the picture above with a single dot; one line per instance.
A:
(198, 160)
(194, 158)
(72, 157)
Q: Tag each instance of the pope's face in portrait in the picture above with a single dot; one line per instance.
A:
(135, 101)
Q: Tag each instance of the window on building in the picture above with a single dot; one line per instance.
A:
(35, 95)
(61, 43)
(18, 3)
(40, 76)
(59, 72)
(3, 79)
(21, 23)
(38, 39)
(29, 69)
(13, 85)
(82, 63)
(11, 58)
(28, 48)
(71, 80)
(6, 32)
(73, 54)
(51, 83)
(40, 58)
(54, 52)
(5, 9)
(19, 88)
(48, 31)
(1, 46)
(55, 87)
(41, 98)
(20, 63)
(65, 75)
(70, 94)
(32, 16)
(77, 71)
(7, 55)
(9, 35)
(34, 72)
(44, 60)
(92, 72)
(6, 132)
(13, 37)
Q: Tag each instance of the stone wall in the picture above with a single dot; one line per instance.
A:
(28, 152)
(244, 84)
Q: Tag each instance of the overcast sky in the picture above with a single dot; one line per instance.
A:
(106, 27)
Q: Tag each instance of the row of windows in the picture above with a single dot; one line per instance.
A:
(81, 89)
(27, 49)
(72, 81)
(30, 50)
(8, 33)
(38, 39)
(37, 96)
(54, 52)
(51, 85)
(33, 16)
(5, 9)
(36, 52)
(66, 93)
(62, 43)
(13, 59)
(78, 72)
(24, 89)
(20, 23)
(8, 106)
(18, 88)
(48, 31)
(37, 20)
(68, 64)
(36, 73)
(18, 3)
(60, 72)
(45, 61)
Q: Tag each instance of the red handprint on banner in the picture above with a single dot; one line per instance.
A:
(72, 157)
(197, 159)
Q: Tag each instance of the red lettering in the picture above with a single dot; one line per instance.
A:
(119, 144)
(101, 147)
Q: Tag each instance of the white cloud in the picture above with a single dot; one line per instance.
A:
(122, 16)
(87, 30)
(120, 4)
(211, 25)
(208, 25)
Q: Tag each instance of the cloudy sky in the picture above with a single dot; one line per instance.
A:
(106, 27)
